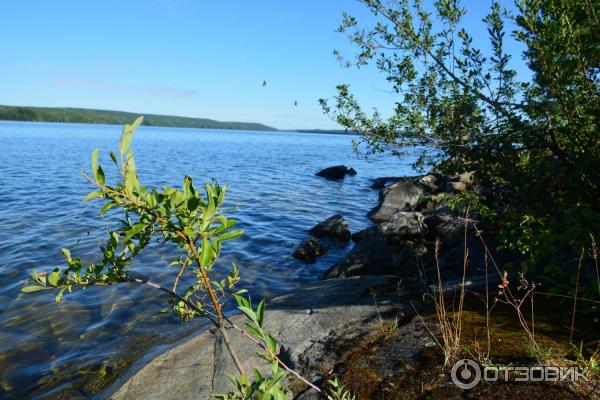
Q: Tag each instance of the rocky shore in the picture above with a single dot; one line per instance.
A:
(379, 283)
(413, 215)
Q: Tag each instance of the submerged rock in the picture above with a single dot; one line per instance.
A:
(401, 196)
(370, 256)
(337, 172)
(334, 227)
(309, 250)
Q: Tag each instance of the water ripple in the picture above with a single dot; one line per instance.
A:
(73, 348)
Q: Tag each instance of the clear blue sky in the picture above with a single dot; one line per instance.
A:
(195, 58)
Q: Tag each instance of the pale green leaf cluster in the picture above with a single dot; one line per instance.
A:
(192, 220)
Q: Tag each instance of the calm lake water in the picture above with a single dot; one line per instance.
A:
(75, 348)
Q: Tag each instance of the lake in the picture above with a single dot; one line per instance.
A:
(75, 348)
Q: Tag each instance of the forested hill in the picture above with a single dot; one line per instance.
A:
(87, 116)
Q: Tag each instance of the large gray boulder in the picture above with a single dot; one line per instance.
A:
(370, 256)
(403, 226)
(334, 227)
(337, 172)
(401, 196)
(313, 315)
(309, 250)
(445, 225)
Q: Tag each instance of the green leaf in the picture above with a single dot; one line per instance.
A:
(241, 301)
(33, 288)
(136, 124)
(53, 278)
(95, 163)
(249, 313)
(93, 195)
(188, 187)
(274, 380)
(271, 344)
(137, 228)
(100, 177)
(106, 207)
(113, 157)
(127, 135)
(58, 297)
(260, 313)
(67, 254)
(254, 331)
(234, 234)
(190, 231)
(131, 181)
(207, 253)
(193, 203)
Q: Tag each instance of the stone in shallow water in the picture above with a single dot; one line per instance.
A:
(309, 250)
(337, 172)
(334, 227)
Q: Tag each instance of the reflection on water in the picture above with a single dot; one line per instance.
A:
(74, 348)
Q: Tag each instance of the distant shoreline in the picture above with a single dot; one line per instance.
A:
(70, 115)
(108, 117)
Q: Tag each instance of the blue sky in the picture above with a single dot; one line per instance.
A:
(194, 58)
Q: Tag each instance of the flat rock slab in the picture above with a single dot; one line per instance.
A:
(306, 317)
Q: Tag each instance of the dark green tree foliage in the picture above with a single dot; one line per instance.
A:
(535, 144)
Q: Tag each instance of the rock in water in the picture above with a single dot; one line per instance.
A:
(401, 196)
(334, 227)
(337, 172)
(370, 256)
(309, 250)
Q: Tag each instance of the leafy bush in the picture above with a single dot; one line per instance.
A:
(534, 145)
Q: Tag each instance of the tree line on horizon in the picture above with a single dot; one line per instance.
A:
(90, 116)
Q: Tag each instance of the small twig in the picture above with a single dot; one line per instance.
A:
(181, 269)
(575, 297)
(274, 356)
